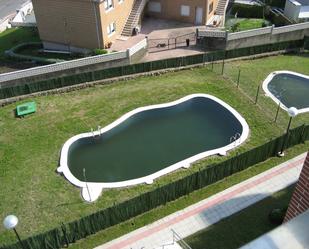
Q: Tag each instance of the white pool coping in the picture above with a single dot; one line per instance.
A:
(92, 190)
(273, 97)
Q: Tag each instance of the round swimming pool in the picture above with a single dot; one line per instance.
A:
(151, 141)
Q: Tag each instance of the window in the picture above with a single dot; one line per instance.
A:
(154, 6)
(185, 10)
(211, 7)
(111, 28)
(108, 4)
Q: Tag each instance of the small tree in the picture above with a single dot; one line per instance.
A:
(235, 27)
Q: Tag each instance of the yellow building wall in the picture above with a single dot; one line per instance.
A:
(83, 23)
(119, 14)
(172, 10)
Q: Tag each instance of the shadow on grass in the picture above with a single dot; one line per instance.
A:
(243, 226)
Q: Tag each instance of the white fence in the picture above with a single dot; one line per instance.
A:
(137, 47)
(290, 28)
(249, 33)
(4, 24)
(254, 32)
(61, 66)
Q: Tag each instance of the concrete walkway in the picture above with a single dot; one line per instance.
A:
(211, 210)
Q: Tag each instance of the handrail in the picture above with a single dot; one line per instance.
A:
(177, 238)
(139, 10)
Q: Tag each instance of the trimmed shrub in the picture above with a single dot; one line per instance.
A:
(247, 11)
(98, 51)
(275, 3)
(306, 43)
(276, 216)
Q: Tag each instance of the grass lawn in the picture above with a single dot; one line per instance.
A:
(245, 23)
(29, 147)
(10, 38)
(242, 227)
(15, 36)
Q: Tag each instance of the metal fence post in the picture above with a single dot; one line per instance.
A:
(222, 70)
(238, 78)
(278, 108)
(257, 95)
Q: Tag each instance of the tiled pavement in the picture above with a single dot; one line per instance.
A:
(209, 211)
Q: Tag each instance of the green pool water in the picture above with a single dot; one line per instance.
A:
(292, 90)
(152, 140)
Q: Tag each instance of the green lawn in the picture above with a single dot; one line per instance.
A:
(29, 147)
(14, 36)
(10, 38)
(245, 23)
(242, 227)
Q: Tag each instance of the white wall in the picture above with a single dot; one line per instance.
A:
(292, 9)
(19, 19)
(4, 25)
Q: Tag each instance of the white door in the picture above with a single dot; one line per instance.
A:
(198, 15)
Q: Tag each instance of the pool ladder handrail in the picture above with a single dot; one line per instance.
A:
(234, 138)
(99, 132)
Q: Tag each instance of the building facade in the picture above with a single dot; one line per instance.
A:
(300, 198)
(77, 24)
(197, 12)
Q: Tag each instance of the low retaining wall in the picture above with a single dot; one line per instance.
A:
(78, 66)
(214, 39)
(62, 69)
(266, 36)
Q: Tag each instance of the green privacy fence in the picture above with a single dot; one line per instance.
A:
(73, 231)
(54, 83)
(306, 42)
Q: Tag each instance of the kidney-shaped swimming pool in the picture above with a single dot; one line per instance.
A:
(151, 141)
(288, 88)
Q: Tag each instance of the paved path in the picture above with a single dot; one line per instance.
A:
(209, 211)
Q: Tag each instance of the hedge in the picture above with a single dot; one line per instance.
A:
(247, 11)
(306, 42)
(37, 86)
(276, 3)
(73, 231)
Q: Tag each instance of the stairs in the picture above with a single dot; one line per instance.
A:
(134, 17)
(221, 7)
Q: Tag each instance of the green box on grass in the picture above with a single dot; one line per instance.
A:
(26, 108)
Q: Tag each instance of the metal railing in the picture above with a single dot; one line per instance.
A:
(178, 239)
